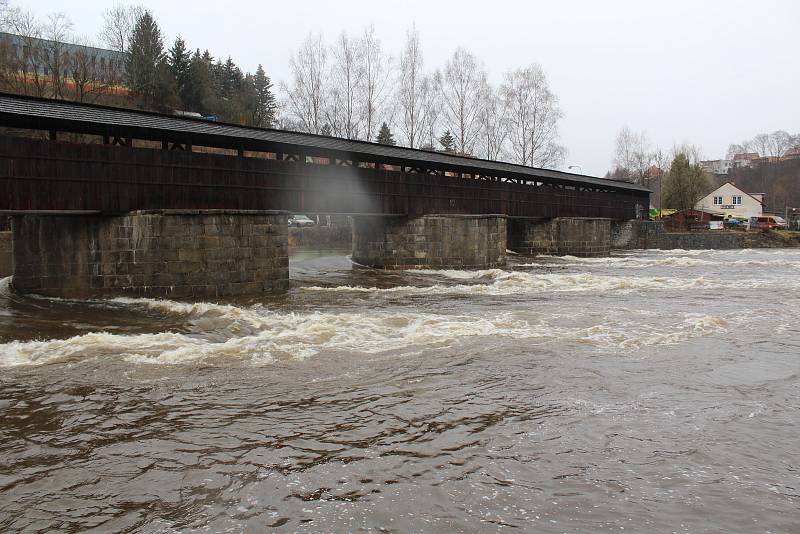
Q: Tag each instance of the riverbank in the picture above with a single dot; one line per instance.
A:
(637, 235)
(725, 240)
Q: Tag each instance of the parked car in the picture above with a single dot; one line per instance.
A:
(731, 221)
(767, 222)
(300, 221)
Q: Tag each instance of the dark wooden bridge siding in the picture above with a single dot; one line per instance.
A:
(47, 175)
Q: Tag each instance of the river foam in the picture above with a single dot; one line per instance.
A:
(646, 262)
(219, 332)
(499, 282)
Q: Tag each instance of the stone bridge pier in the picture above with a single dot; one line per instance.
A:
(583, 237)
(430, 241)
(193, 254)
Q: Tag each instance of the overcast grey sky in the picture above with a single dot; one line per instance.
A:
(706, 72)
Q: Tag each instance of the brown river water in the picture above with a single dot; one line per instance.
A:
(653, 391)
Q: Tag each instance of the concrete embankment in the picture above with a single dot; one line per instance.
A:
(628, 235)
(728, 240)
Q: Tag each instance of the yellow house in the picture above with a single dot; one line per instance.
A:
(728, 199)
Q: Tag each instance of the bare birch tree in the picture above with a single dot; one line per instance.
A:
(345, 108)
(23, 57)
(305, 98)
(693, 153)
(493, 119)
(533, 116)
(376, 70)
(90, 79)
(760, 143)
(633, 155)
(430, 99)
(6, 14)
(775, 144)
(779, 142)
(411, 95)
(460, 84)
(118, 24)
(54, 56)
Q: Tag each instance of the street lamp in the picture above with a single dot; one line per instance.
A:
(576, 167)
(786, 216)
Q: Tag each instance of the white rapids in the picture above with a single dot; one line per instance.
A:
(263, 335)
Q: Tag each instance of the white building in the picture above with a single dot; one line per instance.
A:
(728, 199)
(744, 159)
(717, 166)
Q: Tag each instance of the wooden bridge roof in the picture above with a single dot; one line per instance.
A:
(45, 114)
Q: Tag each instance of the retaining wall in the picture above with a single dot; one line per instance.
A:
(635, 234)
(725, 240)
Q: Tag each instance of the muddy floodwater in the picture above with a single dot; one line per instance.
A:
(653, 391)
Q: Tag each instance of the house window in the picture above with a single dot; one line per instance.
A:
(717, 201)
(737, 201)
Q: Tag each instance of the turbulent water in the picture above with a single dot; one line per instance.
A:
(648, 392)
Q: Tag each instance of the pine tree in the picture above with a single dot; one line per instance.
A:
(198, 88)
(165, 93)
(385, 136)
(326, 130)
(230, 78)
(447, 141)
(265, 105)
(179, 62)
(145, 53)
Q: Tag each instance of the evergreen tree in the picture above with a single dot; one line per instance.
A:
(144, 55)
(385, 136)
(265, 106)
(215, 70)
(198, 87)
(326, 130)
(179, 61)
(230, 77)
(244, 101)
(685, 184)
(165, 93)
(447, 141)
